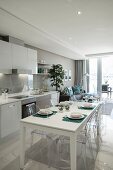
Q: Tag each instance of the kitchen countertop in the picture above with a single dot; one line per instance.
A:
(11, 100)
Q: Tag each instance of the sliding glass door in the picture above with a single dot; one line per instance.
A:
(93, 75)
(107, 71)
(100, 72)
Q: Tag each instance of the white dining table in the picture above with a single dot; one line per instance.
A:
(55, 124)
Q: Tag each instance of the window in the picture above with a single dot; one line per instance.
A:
(93, 75)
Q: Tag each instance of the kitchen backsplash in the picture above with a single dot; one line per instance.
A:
(16, 82)
(42, 82)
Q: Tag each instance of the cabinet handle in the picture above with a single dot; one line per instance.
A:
(12, 105)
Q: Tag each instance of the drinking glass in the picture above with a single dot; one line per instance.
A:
(52, 103)
(61, 107)
(37, 108)
(67, 107)
(86, 99)
(47, 108)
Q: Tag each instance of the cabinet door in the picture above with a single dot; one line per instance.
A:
(32, 60)
(19, 57)
(10, 118)
(5, 55)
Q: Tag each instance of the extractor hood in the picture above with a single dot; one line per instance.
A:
(21, 71)
(15, 71)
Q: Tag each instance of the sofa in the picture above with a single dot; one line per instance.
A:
(71, 93)
(75, 93)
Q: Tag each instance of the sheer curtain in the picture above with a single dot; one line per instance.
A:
(95, 75)
(79, 67)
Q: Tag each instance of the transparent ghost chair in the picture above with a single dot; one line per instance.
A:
(51, 141)
(85, 141)
(93, 138)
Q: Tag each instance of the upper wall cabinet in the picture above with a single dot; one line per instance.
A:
(5, 55)
(19, 57)
(32, 60)
(24, 58)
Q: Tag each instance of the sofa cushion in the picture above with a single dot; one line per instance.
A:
(76, 97)
(65, 91)
(70, 91)
(76, 90)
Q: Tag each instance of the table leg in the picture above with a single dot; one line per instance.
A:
(73, 154)
(22, 146)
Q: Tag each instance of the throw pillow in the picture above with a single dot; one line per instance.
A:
(76, 90)
(65, 91)
(70, 91)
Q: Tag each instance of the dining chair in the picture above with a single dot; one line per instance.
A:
(51, 139)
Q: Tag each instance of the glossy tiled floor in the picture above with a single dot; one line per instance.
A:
(9, 151)
(104, 159)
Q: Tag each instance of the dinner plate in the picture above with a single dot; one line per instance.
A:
(70, 117)
(87, 107)
(42, 113)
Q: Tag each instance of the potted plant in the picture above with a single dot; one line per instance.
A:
(56, 75)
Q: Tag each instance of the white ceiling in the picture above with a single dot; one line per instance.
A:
(54, 25)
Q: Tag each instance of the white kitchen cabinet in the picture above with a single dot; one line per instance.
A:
(55, 98)
(10, 115)
(19, 57)
(5, 55)
(32, 60)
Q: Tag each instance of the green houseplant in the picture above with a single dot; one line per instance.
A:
(56, 75)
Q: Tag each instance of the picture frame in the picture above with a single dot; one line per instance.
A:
(65, 75)
(69, 75)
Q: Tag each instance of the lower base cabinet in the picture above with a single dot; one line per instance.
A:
(10, 115)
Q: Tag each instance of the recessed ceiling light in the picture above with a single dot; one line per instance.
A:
(79, 12)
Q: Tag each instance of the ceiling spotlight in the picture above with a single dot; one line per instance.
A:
(79, 12)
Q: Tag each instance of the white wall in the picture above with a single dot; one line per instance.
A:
(51, 58)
